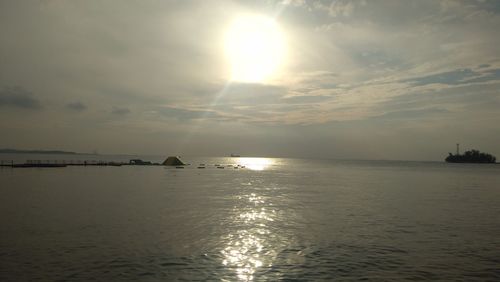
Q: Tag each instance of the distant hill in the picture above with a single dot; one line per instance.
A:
(15, 151)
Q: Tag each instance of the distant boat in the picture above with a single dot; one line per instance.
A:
(472, 156)
(235, 156)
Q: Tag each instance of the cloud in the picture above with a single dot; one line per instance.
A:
(456, 77)
(341, 8)
(120, 111)
(296, 3)
(450, 78)
(76, 106)
(305, 99)
(251, 93)
(490, 75)
(18, 97)
(414, 114)
(186, 114)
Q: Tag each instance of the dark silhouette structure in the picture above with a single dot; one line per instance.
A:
(173, 161)
(472, 156)
(139, 162)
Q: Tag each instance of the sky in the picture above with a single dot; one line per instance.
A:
(385, 79)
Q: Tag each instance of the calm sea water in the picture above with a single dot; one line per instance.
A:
(276, 219)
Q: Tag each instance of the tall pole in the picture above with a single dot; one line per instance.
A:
(458, 149)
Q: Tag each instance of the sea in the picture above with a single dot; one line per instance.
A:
(249, 219)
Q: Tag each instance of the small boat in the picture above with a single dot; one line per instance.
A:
(235, 156)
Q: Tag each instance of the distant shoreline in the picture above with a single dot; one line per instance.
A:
(47, 152)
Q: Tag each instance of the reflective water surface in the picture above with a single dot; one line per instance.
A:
(257, 219)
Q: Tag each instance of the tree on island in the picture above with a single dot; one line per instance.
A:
(472, 156)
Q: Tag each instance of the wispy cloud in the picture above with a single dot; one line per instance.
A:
(186, 114)
(120, 111)
(456, 77)
(18, 97)
(76, 106)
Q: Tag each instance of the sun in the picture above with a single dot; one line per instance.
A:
(255, 48)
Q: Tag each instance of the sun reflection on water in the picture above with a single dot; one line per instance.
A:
(248, 248)
(255, 163)
(243, 253)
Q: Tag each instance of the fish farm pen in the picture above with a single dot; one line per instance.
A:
(134, 162)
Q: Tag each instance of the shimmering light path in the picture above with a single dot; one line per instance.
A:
(253, 244)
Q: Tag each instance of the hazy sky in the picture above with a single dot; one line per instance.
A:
(358, 79)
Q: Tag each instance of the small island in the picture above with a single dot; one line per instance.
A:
(472, 156)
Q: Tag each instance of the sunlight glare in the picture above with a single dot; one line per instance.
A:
(255, 47)
(255, 163)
